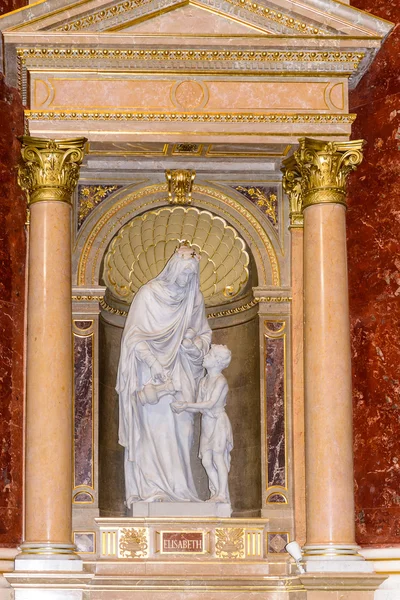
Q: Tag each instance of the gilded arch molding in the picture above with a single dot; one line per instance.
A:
(96, 235)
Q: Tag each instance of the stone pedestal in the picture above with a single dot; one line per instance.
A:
(180, 509)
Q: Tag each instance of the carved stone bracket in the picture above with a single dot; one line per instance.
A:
(317, 173)
(180, 183)
(50, 168)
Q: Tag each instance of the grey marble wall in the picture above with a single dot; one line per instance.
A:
(243, 409)
(111, 454)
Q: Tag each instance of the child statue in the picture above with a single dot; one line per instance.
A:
(216, 441)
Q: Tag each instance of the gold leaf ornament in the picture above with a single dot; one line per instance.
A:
(133, 543)
(229, 542)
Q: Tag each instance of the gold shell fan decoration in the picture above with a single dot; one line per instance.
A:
(143, 246)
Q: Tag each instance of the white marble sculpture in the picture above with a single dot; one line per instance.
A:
(216, 440)
(165, 339)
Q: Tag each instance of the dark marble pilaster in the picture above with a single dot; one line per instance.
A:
(275, 410)
(83, 406)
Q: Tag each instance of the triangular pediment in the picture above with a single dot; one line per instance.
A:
(196, 18)
(326, 18)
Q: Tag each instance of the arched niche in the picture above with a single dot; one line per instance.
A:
(117, 210)
(236, 323)
(237, 328)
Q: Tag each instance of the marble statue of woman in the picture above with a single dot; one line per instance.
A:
(165, 338)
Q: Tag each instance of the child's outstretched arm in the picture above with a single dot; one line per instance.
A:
(219, 389)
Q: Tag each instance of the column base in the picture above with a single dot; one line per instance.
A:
(334, 558)
(48, 557)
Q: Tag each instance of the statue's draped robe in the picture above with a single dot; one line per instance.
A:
(157, 441)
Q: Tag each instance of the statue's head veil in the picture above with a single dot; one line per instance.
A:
(184, 258)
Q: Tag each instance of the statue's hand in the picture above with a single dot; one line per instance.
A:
(191, 349)
(187, 343)
(157, 372)
(178, 406)
(190, 333)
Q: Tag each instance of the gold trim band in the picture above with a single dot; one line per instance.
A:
(329, 195)
(195, 54)
(222, 313)
(188, 117)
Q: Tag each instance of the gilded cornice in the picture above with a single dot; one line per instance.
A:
(189, 117)
(317, 173)
(50, 168)
(124, 14)
(202, 59)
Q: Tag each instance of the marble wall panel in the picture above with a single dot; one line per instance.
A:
(83, 406)
(275, 408)
(85, 91)
(9, 5)
(12, 293)
(374, 279)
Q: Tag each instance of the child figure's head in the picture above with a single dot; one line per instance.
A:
(218, 356)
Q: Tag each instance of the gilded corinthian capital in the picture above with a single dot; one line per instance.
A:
(50, 168)
(317, 172)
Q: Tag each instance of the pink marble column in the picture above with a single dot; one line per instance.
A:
(49, 174)
(315, 179)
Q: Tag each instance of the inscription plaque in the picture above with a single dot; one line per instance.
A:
(182, 542)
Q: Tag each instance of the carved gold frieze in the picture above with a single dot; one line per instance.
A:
(230, 543)
(180, 183)
(139, 252)
(160, 117)
(50, 169)
(213, 315)
(317, 172)
(201, 57)
(87, 298)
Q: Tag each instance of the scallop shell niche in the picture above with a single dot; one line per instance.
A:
(142, 247)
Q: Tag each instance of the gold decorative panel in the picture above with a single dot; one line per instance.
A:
(133, 543)
(143, 246)
(230, 543)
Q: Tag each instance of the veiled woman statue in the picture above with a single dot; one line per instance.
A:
(165, 338)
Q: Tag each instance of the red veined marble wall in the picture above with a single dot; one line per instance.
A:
(374, 278)
(12, 294)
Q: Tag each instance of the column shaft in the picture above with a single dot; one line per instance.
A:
(328, 399)
(49, 376)
(298, 384)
